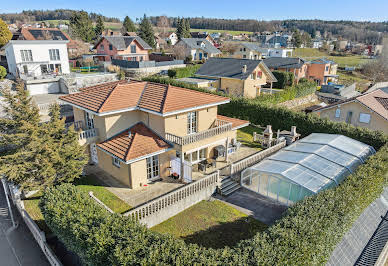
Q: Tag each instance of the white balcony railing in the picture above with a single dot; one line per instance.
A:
(77, 125)
(87, 134)
(218, 128)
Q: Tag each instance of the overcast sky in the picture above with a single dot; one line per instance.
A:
(371, 10)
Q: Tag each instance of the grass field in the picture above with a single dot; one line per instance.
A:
(348, 78)
(211, 224)
(245, 136)
(55, 21)
(85, 184)
(232, 32)
(342, 61)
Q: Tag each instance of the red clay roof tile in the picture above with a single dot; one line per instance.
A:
(135, 142)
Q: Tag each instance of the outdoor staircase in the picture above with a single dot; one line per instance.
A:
(228, 186)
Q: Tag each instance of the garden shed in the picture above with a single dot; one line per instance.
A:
(314, 163)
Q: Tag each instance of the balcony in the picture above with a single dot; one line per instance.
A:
(219, 127)
(84, 133)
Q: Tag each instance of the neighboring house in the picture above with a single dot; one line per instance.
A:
(322, 71)
(246, 50)
(335, 92)
(54, 34)
(297, 65)
(169, 37)
(139, 132)
(277, 42)
(198, 49)
(368, 110)
(237, 77)
(275, 52)
(203, 35)
(109, 32)
(160, 43)
(37, 58)
(122, 47)
(317, 43)
(379, 86)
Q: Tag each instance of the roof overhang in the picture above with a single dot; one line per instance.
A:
(18, 42)
(146, 110)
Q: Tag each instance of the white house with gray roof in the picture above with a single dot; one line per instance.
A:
(198, 49)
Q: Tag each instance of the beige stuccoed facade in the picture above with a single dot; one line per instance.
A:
(134, 174)
(376, 121)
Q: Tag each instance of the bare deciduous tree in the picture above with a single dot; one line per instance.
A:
(377, 70)
(163, 23)
(229, 48)
(179, 51)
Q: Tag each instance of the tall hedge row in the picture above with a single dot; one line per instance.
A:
(305, 235)
(283, 118)
(284, 79)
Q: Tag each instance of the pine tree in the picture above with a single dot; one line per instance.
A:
(179, 28)
(146, 32)
(5, 33)
(186, 24)
(100, 27)
(37, 155)
(296, 39)
(128, 25)
(82, 26)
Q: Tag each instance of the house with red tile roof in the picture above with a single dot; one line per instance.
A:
(139, 132)
(369, 110)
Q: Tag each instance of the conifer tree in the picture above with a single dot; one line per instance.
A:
(128, 25)
(36, 155)
(100, 27)
(180, 28)
(146, 32)
(186, 28)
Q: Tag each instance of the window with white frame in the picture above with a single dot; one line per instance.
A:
(116, 162)
(196, 156)
(337, 113)
(364, 118)
(191, 122)
(153, 167)
(26, 55)
(54, 54)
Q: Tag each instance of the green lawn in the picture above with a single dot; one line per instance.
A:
(245, 136)
(348, 78)
(211, 224)
(342, 61)
(85, 184)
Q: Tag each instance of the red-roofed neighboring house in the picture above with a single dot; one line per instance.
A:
(139, 132)
(131, 48)
(369, 110)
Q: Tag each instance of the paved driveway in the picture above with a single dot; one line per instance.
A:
(17, 247)
(261, 208)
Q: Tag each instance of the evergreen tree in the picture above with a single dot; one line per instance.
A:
(100, 27)
(180, 28)
(128, 25)
(296, 39)
(186, 25)
(82, 26)
(5, 33)
(146, 32)
(36, 155)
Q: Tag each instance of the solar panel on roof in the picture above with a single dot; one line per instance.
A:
(48, 34)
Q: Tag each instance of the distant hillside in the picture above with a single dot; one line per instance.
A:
(367, 32)
(41, 15)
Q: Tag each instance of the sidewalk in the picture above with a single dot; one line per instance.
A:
(18, 247)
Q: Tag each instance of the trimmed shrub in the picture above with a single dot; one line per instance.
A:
(306, 234)
(284, 79)
(3, 72)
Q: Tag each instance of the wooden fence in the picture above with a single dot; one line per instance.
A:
(160, 209)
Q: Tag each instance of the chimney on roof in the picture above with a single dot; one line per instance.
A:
(244, 69)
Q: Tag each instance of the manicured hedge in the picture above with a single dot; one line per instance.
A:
(283, 118)
(306, 235)
(284, 79)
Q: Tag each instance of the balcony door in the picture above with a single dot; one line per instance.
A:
(89, 120)
(153, 168)
(191, 123)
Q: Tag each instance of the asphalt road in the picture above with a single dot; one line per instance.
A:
(18, 246)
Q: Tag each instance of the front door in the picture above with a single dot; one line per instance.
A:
(153, 168)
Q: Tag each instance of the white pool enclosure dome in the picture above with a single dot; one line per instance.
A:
(314, 163)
